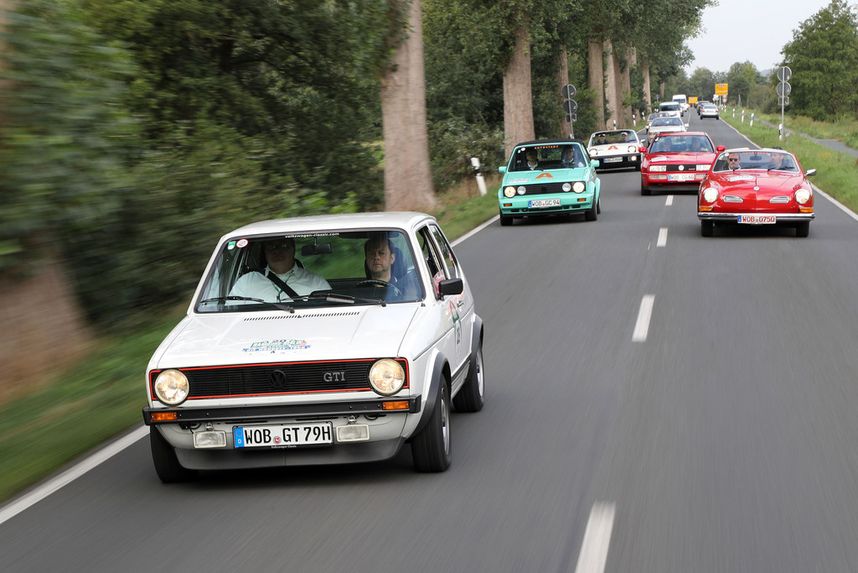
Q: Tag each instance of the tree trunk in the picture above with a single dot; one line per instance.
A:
(647, 87)
(596, 65)
(517, 96)
(407, 172)
(6, 6)
(562, 80)
(661, 90)
(611, 86)
(631, 60)
(624, 90)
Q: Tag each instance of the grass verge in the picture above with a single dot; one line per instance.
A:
(837, 173)
(102, 395)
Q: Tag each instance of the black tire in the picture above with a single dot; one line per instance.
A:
(802, 229)
(430, 449)
(707, 228)
(646, 190)
(717, 117)
(167, 465)
(592, 213)
(599, 207)
(470, 397)
(505, 220)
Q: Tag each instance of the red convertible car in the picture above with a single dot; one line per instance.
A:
(676, 162)
(756, 187)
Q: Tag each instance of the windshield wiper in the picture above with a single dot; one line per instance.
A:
(222, 299)
(343, 298)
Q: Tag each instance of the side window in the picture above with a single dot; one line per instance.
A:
(446, 252)
(430, 255)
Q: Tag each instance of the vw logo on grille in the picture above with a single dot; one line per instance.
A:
(682, 167)
(278, 379)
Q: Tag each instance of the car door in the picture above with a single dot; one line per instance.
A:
(460, 306)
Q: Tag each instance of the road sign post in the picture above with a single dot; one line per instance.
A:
(783, 90)
(570, 106)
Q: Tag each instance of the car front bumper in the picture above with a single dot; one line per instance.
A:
(734, 217)
(618, 161)
(570, 202)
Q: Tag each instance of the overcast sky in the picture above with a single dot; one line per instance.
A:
(755, 30)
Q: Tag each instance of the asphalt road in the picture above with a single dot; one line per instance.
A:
(725, 441)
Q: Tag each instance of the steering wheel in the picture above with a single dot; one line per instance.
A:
(380, 283)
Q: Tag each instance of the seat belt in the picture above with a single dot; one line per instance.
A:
(281, 284)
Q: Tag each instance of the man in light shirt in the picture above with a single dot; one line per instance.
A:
(282, 270)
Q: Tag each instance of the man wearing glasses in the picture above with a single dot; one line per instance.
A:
(733, 161)
(282, 278)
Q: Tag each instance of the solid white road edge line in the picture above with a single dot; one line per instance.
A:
(837, 203)
(29, 499)
(17, 506)
(662, 237)
(473, 232)
(669, 201)
(644, 315)
(597, 538)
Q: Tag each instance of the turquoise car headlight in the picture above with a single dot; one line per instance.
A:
(567, 187)
(579, 187)
(509, 192)
(521, 189)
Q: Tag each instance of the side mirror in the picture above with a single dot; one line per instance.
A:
(810, 173)
(502, 169)
(594, 163)
(451, 286)
(720, 148)
(642, 149)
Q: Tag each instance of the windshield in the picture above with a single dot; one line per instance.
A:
(306, 269)
(682, 144)
(666, 121)
(553, 156)
(673, 106)
(768, 160)
(606, 137)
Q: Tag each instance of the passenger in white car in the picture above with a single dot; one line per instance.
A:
(282, 279)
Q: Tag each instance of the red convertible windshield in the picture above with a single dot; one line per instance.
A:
(767, 160)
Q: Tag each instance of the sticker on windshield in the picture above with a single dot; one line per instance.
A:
(241, 243)
(274, 346)
(230, 245)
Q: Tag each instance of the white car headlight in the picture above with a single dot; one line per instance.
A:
(387, 377)
(658, 168)
(172, 387)
(631, 149)
(594, 152)
(567, 187)
(578, 187)
(710, 194)
(703, 167)
(521, 189)
(802, 196)
(509, 192)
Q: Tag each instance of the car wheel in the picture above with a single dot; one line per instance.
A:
(167, 465)
(599, 207)
(430, 449)
(646, 190)
(707, 228)
(802, 229)
(505, 220)
(470, 397)
(592, 213)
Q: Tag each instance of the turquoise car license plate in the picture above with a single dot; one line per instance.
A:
(543, 203)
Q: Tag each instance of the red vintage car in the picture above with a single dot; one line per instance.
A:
(676, 162)
(756, 187)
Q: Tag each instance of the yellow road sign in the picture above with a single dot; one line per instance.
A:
(721, 89)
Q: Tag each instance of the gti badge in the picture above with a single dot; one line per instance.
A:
(334, 376)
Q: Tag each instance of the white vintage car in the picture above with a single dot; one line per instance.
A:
(318, 340)
(615, 149)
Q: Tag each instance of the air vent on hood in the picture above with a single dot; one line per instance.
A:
(313, 315)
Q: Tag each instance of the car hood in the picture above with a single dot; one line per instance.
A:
(278, 336)
(614, 148)
(546, 176)
(666, 128)
(746, 181)
(685, 157)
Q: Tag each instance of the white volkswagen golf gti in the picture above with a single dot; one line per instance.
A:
(318, 340)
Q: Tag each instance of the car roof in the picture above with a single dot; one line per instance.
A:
(548, 142)
(395, 219)
(682, 133)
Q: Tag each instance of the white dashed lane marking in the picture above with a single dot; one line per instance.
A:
(597, 538)
(669, 201)
(662, 237)
(644, 315)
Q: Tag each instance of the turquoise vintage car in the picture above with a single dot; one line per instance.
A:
(549, 178)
